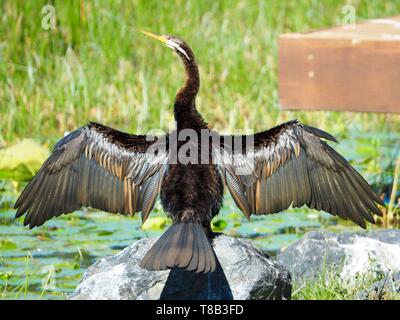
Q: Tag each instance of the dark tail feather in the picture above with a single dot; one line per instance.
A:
(183, 245)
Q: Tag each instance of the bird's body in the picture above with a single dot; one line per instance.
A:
(289, 165)
(192, 193)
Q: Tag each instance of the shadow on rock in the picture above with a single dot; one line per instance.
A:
(186, 285)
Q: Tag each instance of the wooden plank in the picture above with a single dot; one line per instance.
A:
(344, 69)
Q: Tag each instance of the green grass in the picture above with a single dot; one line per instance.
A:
(95, 66)
(329, 286)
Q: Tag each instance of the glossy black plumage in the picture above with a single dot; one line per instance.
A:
(107, 169)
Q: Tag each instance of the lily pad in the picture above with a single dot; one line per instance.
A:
(254, 229)
(21, 161)
(219, 224)
(156, 223)
(274, 243)
(7, 245)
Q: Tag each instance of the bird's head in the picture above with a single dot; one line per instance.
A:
(175, 43)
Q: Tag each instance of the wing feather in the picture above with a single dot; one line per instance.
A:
(293, 166)
(94, 166)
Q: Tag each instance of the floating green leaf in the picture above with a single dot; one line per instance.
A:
(219, 224)
(21, 161)
(156, 223)
(104, 233)
(7, 245)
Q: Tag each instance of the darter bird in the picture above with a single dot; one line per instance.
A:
(100, 167)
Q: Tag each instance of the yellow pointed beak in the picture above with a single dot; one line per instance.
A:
(163, 39)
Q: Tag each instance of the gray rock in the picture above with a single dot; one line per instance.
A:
(243, 272)
(350, 255)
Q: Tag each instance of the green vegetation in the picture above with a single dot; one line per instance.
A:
(95, 67)
(20, 162)
(329, 286)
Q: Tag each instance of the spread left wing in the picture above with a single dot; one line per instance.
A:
(95, 166)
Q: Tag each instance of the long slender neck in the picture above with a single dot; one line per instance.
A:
(184, 107)
(188, 92)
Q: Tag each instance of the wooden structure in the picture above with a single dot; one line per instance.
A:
(346, 68)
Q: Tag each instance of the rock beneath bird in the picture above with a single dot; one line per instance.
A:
(366, 256)
(243, 272)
